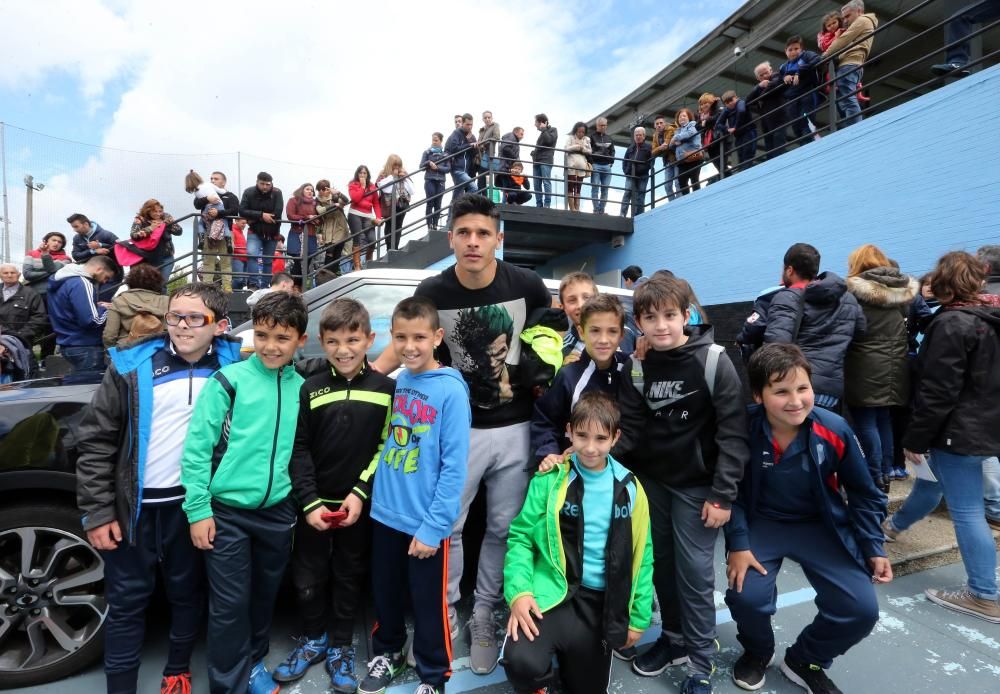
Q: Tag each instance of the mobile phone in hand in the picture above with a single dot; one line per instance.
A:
(334, 518)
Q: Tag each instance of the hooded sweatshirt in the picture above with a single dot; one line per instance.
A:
(73, 311)
(418, 486)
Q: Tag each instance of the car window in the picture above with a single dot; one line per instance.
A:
(39, 434)
(379, 299)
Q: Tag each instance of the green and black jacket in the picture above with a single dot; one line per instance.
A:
(342, 426)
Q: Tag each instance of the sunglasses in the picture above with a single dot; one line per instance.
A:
(193, 320)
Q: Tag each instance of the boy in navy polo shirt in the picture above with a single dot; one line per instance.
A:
(790, 505)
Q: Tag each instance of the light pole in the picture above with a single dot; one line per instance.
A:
(29, 181)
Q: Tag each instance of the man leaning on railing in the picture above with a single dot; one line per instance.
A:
(849, 64)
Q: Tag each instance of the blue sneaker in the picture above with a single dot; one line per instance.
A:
(261, 681)
(697, 684)
(340, 666)
(306, 653)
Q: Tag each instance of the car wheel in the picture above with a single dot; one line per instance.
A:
(52, 607)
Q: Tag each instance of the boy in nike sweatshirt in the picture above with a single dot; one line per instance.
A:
(684, 434)
(418, 488)
(237, 492)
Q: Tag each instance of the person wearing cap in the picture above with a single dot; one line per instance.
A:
(261, 206)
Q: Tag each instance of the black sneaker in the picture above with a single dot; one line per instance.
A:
(625, 653)
(957, 69)
(748, 671)
(381, 670)
(810, 677)
(659, 657)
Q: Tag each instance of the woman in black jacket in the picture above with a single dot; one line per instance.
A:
(955, 416)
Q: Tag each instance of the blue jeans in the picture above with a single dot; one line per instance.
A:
(166, 267)
(434, 190)
(257, 247)
(991, 487)
(83, 358)
(961, 477)
(670, 182)
(239, 282)
(600, 179)
(465, 184)
(873, 426)
(960, 26)
(635, 195)
(543, 184)
(923, 499)
(848, 77)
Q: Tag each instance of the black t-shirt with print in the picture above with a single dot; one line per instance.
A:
(482, 329)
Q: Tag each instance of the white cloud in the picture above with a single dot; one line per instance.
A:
(332, 85)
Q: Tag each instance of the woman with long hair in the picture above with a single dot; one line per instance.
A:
(690, 155)
(954, 423)
(365, 213)
(709, 107)
(151, 242)
(395, 192)
(333, 229)
(578, 151)
(301, 211)
(876, 371)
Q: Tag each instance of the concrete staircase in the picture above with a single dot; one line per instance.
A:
(928, 543)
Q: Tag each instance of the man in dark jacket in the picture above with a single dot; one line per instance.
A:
(510, 148)
(816, 312)
(602, 159)
(261, 206)
(638, 158)
(991, 256)
(736, 120)
(801, 78)
(766, 102)
(22, 311)
(460, 148)
(543, 156)
(92, 239)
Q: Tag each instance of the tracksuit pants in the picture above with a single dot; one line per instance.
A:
(162, 543)
(397, 576)
(845, 596)
(328, 570)
(683, 570)
(573, 632)
(245, 566)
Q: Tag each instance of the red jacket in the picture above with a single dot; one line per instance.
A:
(364, 200)
(239, 244)
(300, 209)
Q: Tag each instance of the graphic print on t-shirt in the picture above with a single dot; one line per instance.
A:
(484, 345)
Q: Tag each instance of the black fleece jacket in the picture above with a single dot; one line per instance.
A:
(676, 432)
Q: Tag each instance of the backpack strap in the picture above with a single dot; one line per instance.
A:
(223, 443)
(712, 365)
(635, 370)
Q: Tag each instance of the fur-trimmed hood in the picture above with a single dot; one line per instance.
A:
(883, 286)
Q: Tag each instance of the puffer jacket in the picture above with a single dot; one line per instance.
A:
(876, 371)
(124, 309)
(38, 268)
(831, 318)
(333, 227)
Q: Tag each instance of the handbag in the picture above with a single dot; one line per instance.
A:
(695, 157)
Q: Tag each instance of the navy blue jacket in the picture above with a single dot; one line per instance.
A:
(82, 253)
(805, 67)
(751, 335)
(76, 318)
(552, 410)
(739, 118)
(831, 317)
(443, 167)
(456, 143)
(637, 160)
(839, 464)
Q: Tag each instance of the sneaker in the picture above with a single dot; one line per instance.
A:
(965, 602)
(900, 473)
(810, 677)
(749, 670)
(453, 627)
(261, 681)
(306, 653)
(659, 657)
(625, 653)
(956, 69)
(176, 684)
(484, 651)
(428, 689)
(340, 667)
(891, 534)
(696, 684)
(381, 670)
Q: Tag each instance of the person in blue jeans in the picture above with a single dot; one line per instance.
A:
(850, 51)
(542, 157)
(261, 205)
(955, 412)
(602, 159)
(434, 182)
(458, 149)
(957, 32)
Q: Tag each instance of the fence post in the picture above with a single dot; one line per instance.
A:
(394, 199)
(722, 157)
(304, 255)
(832, 106)
(652, 184)
(194, 248)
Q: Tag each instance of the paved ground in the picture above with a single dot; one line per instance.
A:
(916, 648)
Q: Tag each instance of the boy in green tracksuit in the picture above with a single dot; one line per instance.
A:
(580, 553)
(237, 492)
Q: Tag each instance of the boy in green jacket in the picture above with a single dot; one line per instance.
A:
(580, 553)
(237, 492)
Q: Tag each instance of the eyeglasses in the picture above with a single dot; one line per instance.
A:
(193, 320)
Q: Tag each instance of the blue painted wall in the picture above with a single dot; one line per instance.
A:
(917, 180)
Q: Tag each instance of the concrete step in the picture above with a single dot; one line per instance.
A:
(927, 544)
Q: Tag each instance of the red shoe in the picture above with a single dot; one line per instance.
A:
(176, 684)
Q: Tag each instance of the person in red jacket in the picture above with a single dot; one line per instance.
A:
(239, 253)
(365, 214)
(301, 210)
(279, 261)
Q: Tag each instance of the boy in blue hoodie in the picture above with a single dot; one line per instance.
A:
(418, 488)
(790, 504)
(137, 421)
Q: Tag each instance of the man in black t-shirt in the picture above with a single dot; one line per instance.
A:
(483, 304)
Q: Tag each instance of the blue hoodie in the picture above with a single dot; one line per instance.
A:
(73, 311)
(418, 485)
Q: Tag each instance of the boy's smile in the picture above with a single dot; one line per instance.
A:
(602, 334)
(592, 444)
(345, 350)
(574, 297)
(664, 326)
(787, 401)
(414, 342)
(275, 345)
(191, 344)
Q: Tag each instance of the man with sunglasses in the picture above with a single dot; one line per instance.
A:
(138, 421)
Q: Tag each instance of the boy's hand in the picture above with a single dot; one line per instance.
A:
(570, 358)
(421, 551)
(881, 569)
(641, 347)
(549, 462)
(520, 616)
(714, 517)
(353, 505)
(315, 518)
(203, 533)
(737, 564)
(105, 536)
(633, 638)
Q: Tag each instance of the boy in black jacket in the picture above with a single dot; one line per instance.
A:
(343, 418)
(790, 505)
(684, 435)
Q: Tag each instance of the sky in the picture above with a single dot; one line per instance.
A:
(108, 103)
